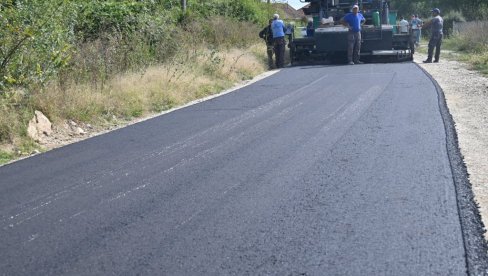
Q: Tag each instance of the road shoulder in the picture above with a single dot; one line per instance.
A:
(465, 93)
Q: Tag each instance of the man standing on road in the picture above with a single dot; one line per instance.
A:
(436, 24)
(353, 21)
(267, 35)
(278, 28)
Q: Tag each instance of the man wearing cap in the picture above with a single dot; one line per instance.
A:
(353, 22)
(279, 29)
(436, 24)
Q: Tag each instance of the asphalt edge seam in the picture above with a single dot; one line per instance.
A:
(472, 227)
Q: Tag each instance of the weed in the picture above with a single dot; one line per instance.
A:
(121, 75)
(472, 44)
(5, 157)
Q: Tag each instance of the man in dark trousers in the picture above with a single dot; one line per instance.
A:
(279, 29)
(310, 29)
(267, 35)
(436, 24)
(353, 21)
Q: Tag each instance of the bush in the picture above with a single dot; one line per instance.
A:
(94, 39)
(242, 10)
(36, 41)
(449, 19)
(472, 39)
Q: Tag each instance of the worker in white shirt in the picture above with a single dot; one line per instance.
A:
(403, 25)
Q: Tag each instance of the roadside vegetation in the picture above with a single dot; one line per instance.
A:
(103, 61)
(100, 62)
(471, 44)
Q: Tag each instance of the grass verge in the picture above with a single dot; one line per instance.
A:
(471, 46)
(188, 76)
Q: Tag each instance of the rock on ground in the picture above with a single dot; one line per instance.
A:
(39, 126)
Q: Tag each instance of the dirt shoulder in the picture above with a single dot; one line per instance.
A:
(466, 93)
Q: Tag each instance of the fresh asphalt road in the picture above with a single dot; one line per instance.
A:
(326, 170)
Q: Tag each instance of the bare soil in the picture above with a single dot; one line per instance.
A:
(466, 93)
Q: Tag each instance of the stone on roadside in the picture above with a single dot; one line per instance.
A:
(32, 130)
(80, 131)
(72, 123)
(44, 126)
(39, 126)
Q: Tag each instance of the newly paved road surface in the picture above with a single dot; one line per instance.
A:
(327, 170)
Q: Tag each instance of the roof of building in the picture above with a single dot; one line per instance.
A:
(286, 11)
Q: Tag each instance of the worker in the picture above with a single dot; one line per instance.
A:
(416, 25)
(353, 21)
(267, 35)
(278, 28)
(436, 25)
(310, 29)
(290, 29)
(403, 24)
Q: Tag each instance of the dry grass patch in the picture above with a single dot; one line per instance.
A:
(472, 43)
(126, 96)
(156, 89)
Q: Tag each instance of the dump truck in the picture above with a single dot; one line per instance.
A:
(381, 39)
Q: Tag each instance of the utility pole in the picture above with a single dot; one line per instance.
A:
(183, 5)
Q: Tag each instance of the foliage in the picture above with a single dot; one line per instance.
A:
(5, 157)
(470, 9)
(62, 56)
(42, 39)
(242, 10)
(36, 40)
(449, 19)
(474, 39)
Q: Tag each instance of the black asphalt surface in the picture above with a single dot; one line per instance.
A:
(325, 170)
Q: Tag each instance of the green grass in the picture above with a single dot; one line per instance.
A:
(474, 53)
(108, 80)
(471, 47)
(5, 157)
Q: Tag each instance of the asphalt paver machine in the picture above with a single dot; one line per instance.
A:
(381, 39)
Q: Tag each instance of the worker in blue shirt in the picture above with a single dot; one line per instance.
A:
(353, 22)
(279, 29)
